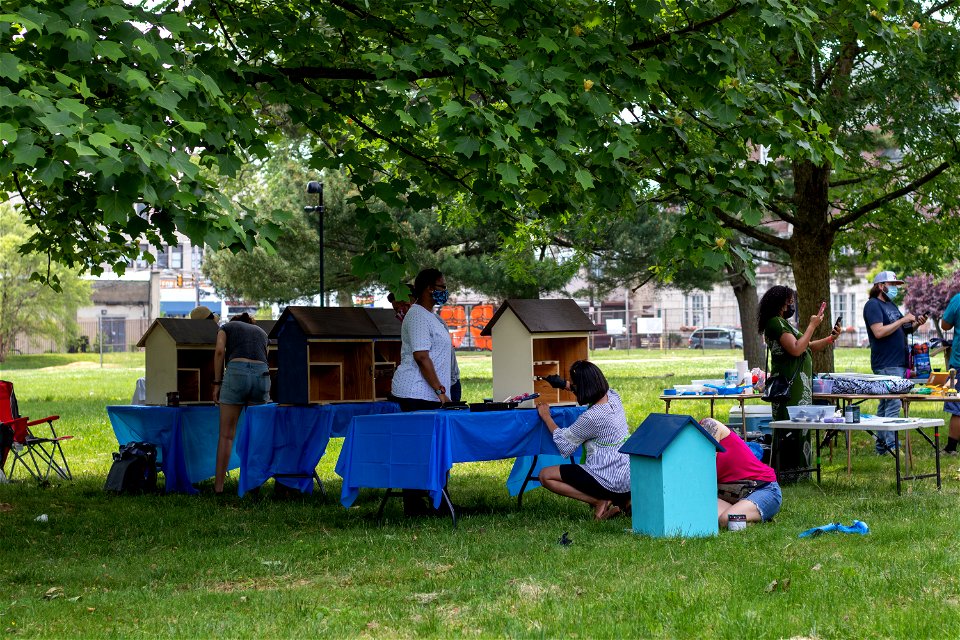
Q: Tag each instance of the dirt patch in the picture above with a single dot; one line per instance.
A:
(266, 583)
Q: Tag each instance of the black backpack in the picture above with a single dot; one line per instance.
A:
(134, 469)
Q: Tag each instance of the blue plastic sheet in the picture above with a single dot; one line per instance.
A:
(417, 450)
(291, 440)
(186, 437)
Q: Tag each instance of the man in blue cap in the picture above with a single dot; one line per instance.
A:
(887, 331)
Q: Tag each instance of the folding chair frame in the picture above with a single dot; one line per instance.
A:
(35, 453)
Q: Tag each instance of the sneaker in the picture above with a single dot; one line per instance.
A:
(944, 452)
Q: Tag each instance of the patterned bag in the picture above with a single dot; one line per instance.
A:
(869, 385)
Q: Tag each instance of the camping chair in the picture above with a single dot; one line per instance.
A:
(38, 455)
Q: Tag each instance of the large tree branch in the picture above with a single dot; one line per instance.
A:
(859, 212)
(692, 27)
(752, 232)
(939, 7)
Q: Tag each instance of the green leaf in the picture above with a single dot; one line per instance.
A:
(109, 49)
(584, 178)
(134, 77)
(553, 99)
(528, 118)
(49, 171)
(396, 85)
(467, 147)
(81, 149)
(121, 131)
(8, 132)
(452, 108)
(527, 163)
(555, 73)
(547, 44)
(100, 140)
(486, 41)
(619, 150)
(70, 105)
(26, 154)
(651, 70)
(115, 209)
(8, 66)
(193, 126)
(21, 19)
(59, 123)
(174, 23)
(508, 173)
(553, 161)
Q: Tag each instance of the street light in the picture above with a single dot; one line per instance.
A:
(317, 188)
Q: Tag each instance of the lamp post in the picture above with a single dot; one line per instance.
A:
(317, 188)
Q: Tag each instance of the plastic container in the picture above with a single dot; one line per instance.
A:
(758, 417)
(822, 385)
(687, 388)
(736, 522)
(810, 412)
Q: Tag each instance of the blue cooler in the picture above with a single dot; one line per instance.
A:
(758, 417)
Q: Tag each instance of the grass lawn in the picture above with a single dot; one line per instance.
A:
(198, 567)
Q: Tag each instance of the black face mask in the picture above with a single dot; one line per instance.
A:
(791, 310)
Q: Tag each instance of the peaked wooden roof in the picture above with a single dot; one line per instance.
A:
(340, 322)
(657, 431)
(555, 315)
(185, 331)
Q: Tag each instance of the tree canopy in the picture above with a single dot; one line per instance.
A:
(518, 115)
(537, 121)
(27, 306)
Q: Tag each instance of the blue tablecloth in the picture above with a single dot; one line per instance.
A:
(290, 440)
(186, 437)
(416, 450)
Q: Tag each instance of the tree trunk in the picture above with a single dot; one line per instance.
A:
(746, 292)
(810, 251)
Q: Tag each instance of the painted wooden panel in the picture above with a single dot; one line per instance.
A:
(512, 357)
(676, 494)
(160, 362)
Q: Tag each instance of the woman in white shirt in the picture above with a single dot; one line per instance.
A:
(423, 378)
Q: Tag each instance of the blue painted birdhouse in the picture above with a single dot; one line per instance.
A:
(673, 477)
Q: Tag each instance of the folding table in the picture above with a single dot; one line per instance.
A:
(417, 450)
(869, 425)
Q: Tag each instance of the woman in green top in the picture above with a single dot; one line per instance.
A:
(790, 357)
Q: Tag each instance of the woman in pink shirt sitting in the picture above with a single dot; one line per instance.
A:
(745, 486)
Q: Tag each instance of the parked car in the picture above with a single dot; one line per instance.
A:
(716, 338)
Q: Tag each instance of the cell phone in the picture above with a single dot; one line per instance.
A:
(837, 325)
(823, 307)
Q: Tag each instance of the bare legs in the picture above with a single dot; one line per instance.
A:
(955, 427)
(744, 507)
(550, 479)
(229, 415)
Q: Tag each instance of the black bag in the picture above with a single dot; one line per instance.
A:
(134, 469)
(776, 388)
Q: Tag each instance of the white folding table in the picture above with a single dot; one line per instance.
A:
(869, 425)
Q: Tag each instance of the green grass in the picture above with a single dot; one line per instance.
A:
(196, 567)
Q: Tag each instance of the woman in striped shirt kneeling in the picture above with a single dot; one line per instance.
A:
(603, 481)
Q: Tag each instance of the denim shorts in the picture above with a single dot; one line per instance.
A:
(245, 383)
(953, 408)
(768, 500)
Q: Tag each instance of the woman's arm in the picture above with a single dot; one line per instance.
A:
(218, 354)
(422, 358)
(797, 346)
